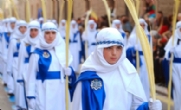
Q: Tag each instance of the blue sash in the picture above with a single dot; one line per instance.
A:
(16, 54)
(44, 62)
(49, 75)
(28, 50)
(177, 60)
(123, 34)
(91, 99)
(74, 37)
(131, 56)
(144, 106)
(7, 38)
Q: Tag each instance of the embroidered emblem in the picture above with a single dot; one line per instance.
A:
(46, 55)
(96, 84)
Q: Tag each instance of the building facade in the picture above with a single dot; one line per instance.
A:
(55, 9)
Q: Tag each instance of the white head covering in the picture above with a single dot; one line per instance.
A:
(142, 21)
(33, 25)
(117, 22)
(16, 33)
(55, 22)
(177, 36)
(62, 28)
(11, 20)
(40, 19)
(91, 22)
(133, 36)
(76, 28)
(96, 62)
(178, 25)
(109, 37)
(58, 44)
(4, 25)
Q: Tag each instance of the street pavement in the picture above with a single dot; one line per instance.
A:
(5, 104)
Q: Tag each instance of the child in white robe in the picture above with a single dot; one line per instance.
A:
(26, 48)
(89, 36)
(62, 28)
(45, 85)
(108, 81)
(13, 54)
(175, 49)
(135, 45)
(117, 24)
(75, 45)
(8, 28)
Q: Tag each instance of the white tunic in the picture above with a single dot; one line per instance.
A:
(22, 74)
(50, 94)
(75, 48)
(4, 50)
(12, 65)
(176, 71)
(90, 37)
(119, 95)
(143, 70)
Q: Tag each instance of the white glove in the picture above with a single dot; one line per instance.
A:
(67, 71)
(172, 49)
(155, 105)
(31, 104)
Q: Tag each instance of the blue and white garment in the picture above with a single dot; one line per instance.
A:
(176, 71)
(89, 36)
(102, 86)
(135, 45)
(75, 45)
(5, 43)
(12, 59)
(45, 79)
(62, 28)
(26, 48)
(117, 24)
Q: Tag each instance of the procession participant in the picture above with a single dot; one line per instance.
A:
(9, 25)
(117, 24)
(135, 45)
(13, 54)
(1, 34)
(46, 71)
(26, 48)
(62, 28)
(176, 72)
(41, 20)
(108, 81)
(75, 45)
(3, 29)
(89, 35)
(55, 22)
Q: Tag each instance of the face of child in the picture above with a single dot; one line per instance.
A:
(33, 32)
(12, 25)
(63, 24)
(142, 25)
(73, 25)
(117, 26)
(92, 26)
(112, 54)
(50, 36)
(22, 29)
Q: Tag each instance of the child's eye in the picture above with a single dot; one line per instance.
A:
(119, 47)
(108, 47)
